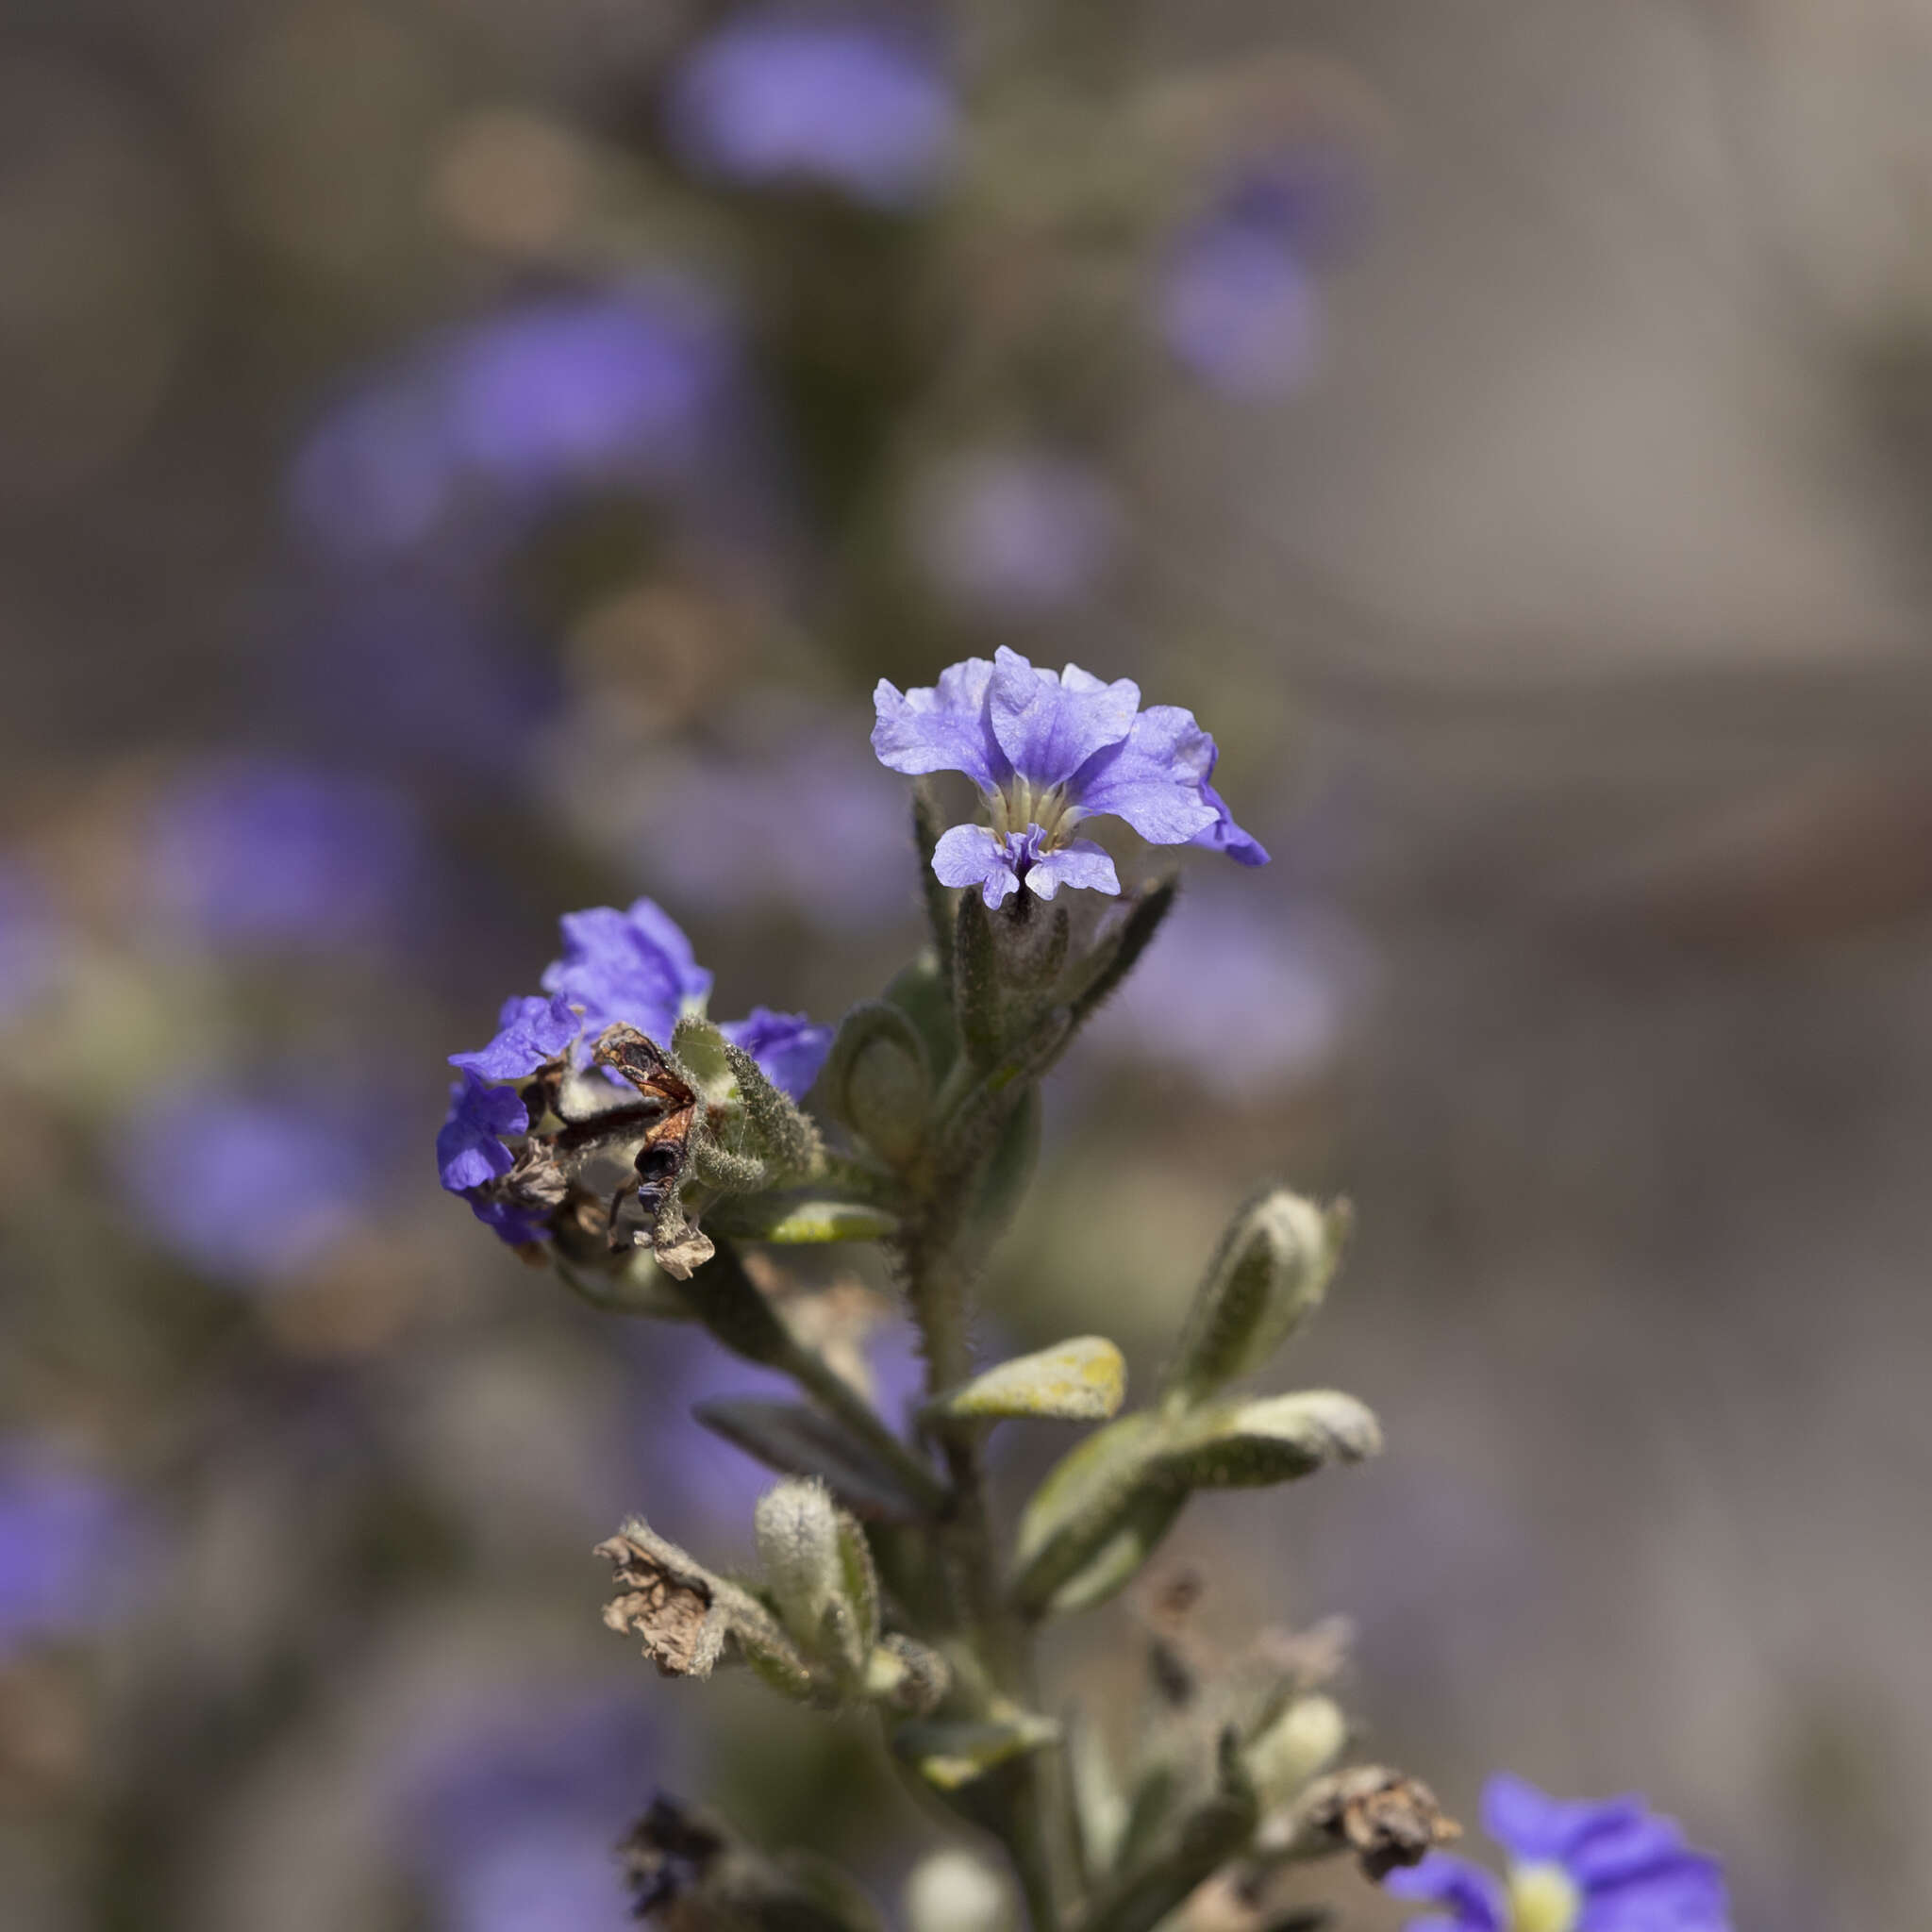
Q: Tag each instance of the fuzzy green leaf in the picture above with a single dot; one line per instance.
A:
(1081, 1380)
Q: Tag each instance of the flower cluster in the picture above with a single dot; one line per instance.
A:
(632, 969)
(1048, 752)
(1576, 1866)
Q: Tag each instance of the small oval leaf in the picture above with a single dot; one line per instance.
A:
(1082, 1380)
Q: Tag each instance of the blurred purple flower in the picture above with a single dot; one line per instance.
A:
(422, 673)
(1575, 1866)
(33, 941)
(1018, 534)
(855, 102)
(250, 1187)
(794, 823)
(253, 853)
(1237, 301)
(515, 1816)
(62, 1540)
(626, 386)
(789, 1049)
(1242, 994)
(1046, 753)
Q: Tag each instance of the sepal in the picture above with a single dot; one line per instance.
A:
(879, 1080)
(690, 1620)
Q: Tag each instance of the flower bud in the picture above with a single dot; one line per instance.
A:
(1303, 1742)
(956, 1891)
(1268, 1275)
(820, 1573)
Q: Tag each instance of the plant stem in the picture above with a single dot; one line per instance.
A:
(936, 1279)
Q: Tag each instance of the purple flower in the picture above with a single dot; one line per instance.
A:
(852, 102)
(1047, 752)
(252, 1189)
(620, 386)
(789, 1049)
(62, 1538)
(32, 941)
(1575, 1866)
(469, 1146)
(1237, 300)
(254, 853)
(636, 966)
(1018, 534)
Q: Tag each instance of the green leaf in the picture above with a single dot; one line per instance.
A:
(1103, 1509)
(796, 1440)
(1081, 1380)
(1269, 1273)
(1275, 1439)
(1107, 1496)
(951, 1754)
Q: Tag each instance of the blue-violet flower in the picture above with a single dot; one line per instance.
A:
(851, 102)
(1048, 751)
(1575, 1866)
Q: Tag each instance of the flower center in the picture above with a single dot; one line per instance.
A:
(1543, 1898)
(1019, 806)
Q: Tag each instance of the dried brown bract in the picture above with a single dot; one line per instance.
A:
(1385, 1818)
(666, 1603)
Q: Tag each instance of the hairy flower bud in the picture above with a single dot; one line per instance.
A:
(1268, 1275)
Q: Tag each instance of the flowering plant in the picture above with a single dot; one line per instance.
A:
(658, 1161)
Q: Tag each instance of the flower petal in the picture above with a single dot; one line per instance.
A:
(517, 1225)
(530, 1031)
(469, 1145)
(1154, 779)
(1531, 1825)
(941, 727)
(1079, 863)
(1473, 1898)
(1049, 726)
(976, 856)
(636, 965)
(1224, 836)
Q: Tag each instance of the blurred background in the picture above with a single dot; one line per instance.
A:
(464, 462)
